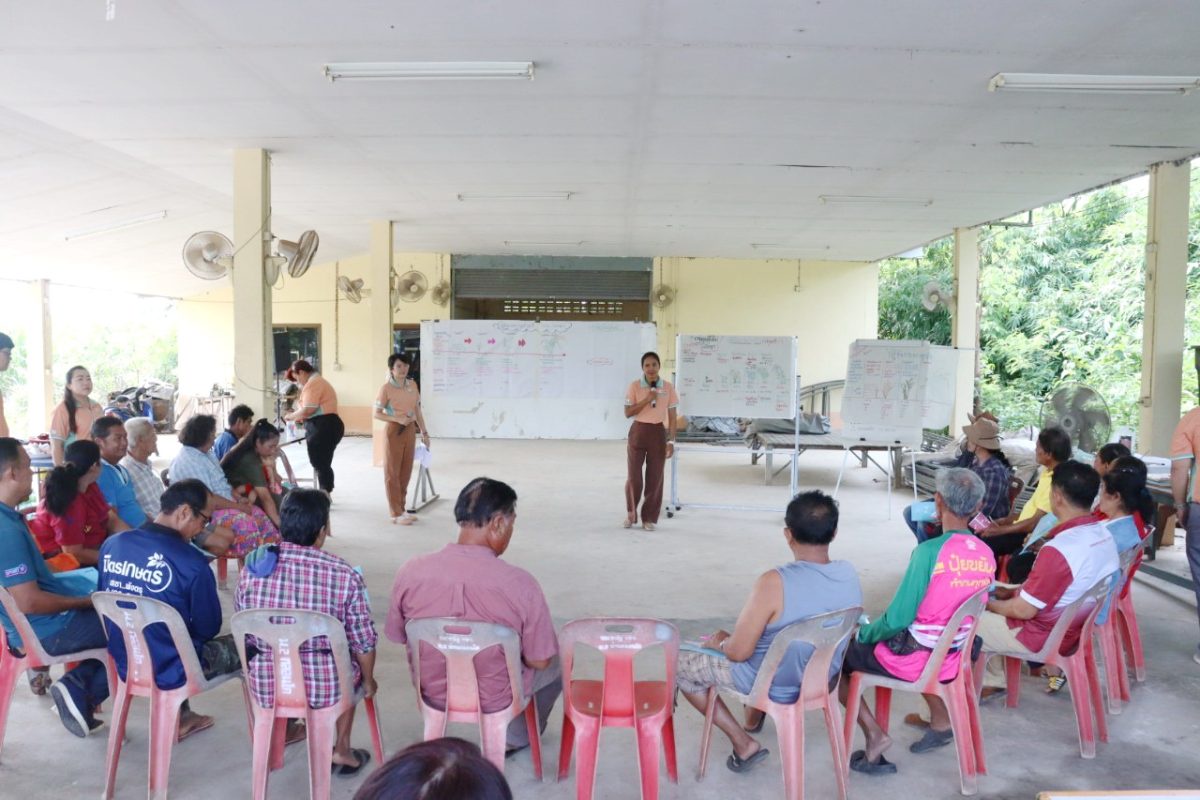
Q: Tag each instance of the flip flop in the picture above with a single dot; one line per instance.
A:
(295, 734)
(204, 724)
(627, 523)
(738, 764)
(1055, 683)
(345, 770)
(859, 763)
(932, 740)
(757, 728)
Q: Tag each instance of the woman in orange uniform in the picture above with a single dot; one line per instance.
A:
(323, 428)
(399, 405)
(651, 402)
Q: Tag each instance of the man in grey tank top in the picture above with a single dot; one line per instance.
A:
(808, 585)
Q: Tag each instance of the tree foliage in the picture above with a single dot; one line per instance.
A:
(1062, 302)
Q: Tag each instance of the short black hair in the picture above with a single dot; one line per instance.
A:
(403, 358)
(1111, 452)
(440, 769)
(1078, 482)
(6, 342)
(102, 427)
(302, 516)
(240, 413)
(650, 354)
(190, 492)
(812, 517)
(483, 498)
(1056, 443)
(196, 430)
(10, 453)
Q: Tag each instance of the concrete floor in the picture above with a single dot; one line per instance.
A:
(695, 571)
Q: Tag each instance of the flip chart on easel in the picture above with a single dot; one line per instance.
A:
(737, 376)
(894, 389)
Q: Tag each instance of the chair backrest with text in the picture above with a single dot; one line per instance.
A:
(459, 641)
(970, 609)
(131, 615)
(826, 633)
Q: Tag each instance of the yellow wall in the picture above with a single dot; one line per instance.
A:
(836, 303)
(206, 330)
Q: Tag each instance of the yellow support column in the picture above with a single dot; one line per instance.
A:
(379, 280)
(253, 344)
(1166, 291)
(965, 323)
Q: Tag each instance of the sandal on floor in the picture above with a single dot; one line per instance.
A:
(295, 734)
(627, 522)
(39, 682)
(991, 693)
(345, 770)
(757, 728)
(1055, 683)
(738, 764)
(648, 526)
(916, 721)
(203, 725)
(932, 740)
(859, 763)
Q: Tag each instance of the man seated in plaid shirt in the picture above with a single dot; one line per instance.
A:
(298, 574)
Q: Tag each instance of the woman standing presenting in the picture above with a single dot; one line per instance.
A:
(322, 425)
(651, 401)
(399, 405)
(73, 417)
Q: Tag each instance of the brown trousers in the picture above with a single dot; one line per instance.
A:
(401, 444)
(648, 446)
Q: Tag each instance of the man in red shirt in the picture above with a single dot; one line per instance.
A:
(1079, 554)
(468, 580)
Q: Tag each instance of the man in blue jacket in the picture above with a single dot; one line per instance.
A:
(115, 483)
(157, 561)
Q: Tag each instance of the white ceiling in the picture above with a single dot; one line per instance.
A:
(683, 127)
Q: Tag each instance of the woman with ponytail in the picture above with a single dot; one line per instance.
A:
(73, 516)
(73, 417)
(251, 462)
(1127, 503)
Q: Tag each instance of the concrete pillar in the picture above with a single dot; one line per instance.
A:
(379, 280)
(40, 361)
(253, 344)
(1166, 293)
(965, 322)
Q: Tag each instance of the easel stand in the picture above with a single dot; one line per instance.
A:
(424, 490)
(793, 453)
(895, 445)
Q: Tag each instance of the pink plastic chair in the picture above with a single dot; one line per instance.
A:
(1083, 679)
(223, 569)
(285, 631)
(459, 641)
(1116, 669)
(618, 700)
(1131, 636)
(958, 694)
(826, 632)
(11, 666)
(132, 615)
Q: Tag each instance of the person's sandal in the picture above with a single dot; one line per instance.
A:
(627, 522)
(1055, 683)
(363, 757)
(932, 740)
(738, 764)
(39, 681)
(762, 720)
(881, 766)
(648, 526)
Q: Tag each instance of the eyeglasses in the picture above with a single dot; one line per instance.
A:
(207, 519)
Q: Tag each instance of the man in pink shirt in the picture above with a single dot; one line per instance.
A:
(467, 580)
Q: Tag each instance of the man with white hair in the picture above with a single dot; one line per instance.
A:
(143, 443)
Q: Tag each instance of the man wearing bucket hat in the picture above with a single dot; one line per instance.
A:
(981, 454)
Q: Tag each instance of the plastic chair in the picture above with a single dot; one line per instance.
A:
(131, 615)
(1015, 487)
(285, 631)
(459, 641)
(826, 632)
(958, 694)
(618, 701)
(1083, 679)
(1127, 622)
(1116, 674)
(223, 569)
(12, 666)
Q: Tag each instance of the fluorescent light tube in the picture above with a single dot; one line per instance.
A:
(430, 70)
(791, 247)
(871, 200)
(530, 196)
(1097, 84)
(84, 233)
(512, 243)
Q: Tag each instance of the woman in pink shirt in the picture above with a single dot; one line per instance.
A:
(651, 402)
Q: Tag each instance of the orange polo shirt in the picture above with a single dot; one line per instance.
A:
(639, 390)
(318, 394)
(399, 402)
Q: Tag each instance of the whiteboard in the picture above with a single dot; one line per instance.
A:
(894, 389)
(736, 376)
(530, 380)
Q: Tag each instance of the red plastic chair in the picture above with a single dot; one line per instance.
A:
(618, 700)
(958, 694)
(1127, 622)
(459, 641)
(1116, 669)
(223, 569)
(285, 631)
(131, 615)
(11, 666)
(826, 632)
(1083, 679)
